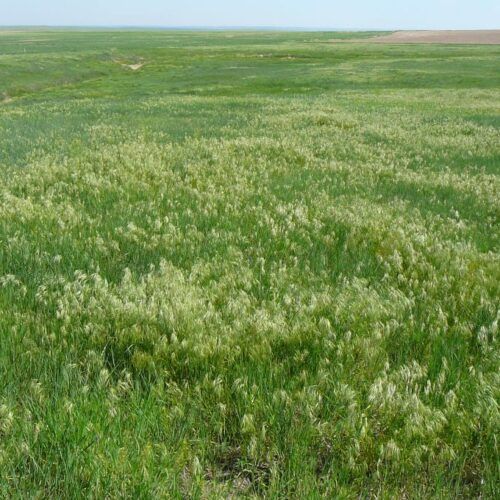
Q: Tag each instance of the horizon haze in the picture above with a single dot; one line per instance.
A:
(259, 14)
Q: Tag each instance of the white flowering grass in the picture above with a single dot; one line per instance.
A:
(214, 286)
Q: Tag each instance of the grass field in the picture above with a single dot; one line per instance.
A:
(261, 264)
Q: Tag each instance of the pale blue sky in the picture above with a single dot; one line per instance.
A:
(340, 14)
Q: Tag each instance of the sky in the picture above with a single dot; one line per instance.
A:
(337, 14)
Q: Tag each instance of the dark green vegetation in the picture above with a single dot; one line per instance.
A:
(261, 264)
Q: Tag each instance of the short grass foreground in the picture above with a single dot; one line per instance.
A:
(247, 265)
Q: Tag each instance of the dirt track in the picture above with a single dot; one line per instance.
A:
(469, 36)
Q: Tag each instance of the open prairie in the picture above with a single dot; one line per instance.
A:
(441, 36)
(248, 264)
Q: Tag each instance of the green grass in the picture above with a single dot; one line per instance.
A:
(262, 265)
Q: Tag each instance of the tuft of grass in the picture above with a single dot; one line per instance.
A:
(264, 265)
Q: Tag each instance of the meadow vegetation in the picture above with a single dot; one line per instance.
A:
(259, 265)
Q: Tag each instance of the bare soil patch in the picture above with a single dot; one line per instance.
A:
(134, 67)
(490, 37)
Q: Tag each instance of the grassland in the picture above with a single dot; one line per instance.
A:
(260, 265)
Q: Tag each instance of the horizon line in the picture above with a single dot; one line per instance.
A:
(230, 27)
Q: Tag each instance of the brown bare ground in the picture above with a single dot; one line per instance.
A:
(490, 37)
